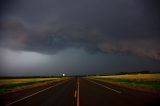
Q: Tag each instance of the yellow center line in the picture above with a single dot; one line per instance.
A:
(77, 92)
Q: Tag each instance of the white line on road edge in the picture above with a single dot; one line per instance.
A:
(77, 92)
(105, 86)
(35, 93)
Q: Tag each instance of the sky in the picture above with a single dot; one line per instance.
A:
(78, 37)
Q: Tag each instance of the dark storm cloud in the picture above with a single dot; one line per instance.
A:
(109, 26)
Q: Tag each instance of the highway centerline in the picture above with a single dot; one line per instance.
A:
(36, 93)
(77, 92)
(104, 86)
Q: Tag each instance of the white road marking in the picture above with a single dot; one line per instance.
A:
(35, 93)
(105, 86)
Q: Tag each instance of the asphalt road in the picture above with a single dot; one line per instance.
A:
(80, 92)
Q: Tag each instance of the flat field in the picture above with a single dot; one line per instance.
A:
(10, 84)
(136, 80)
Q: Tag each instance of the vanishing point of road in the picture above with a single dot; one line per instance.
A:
(80, 92)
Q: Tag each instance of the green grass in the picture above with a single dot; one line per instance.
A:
(18, 83)
(137, 80)
(150, 84)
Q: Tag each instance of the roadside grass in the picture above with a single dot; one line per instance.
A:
(136, 80)
(18, 83)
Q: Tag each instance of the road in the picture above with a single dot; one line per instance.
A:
(80, 92)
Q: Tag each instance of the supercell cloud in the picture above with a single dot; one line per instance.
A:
(120, 26)
(129, 27)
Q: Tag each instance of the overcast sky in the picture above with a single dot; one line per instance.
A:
(78, 37)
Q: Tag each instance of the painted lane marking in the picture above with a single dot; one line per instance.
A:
(77, 92)
(35, 93)
(105, 86)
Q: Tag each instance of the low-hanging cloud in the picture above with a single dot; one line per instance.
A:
(124, 26)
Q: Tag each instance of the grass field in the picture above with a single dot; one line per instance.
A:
(136, 80)
(10, 84)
